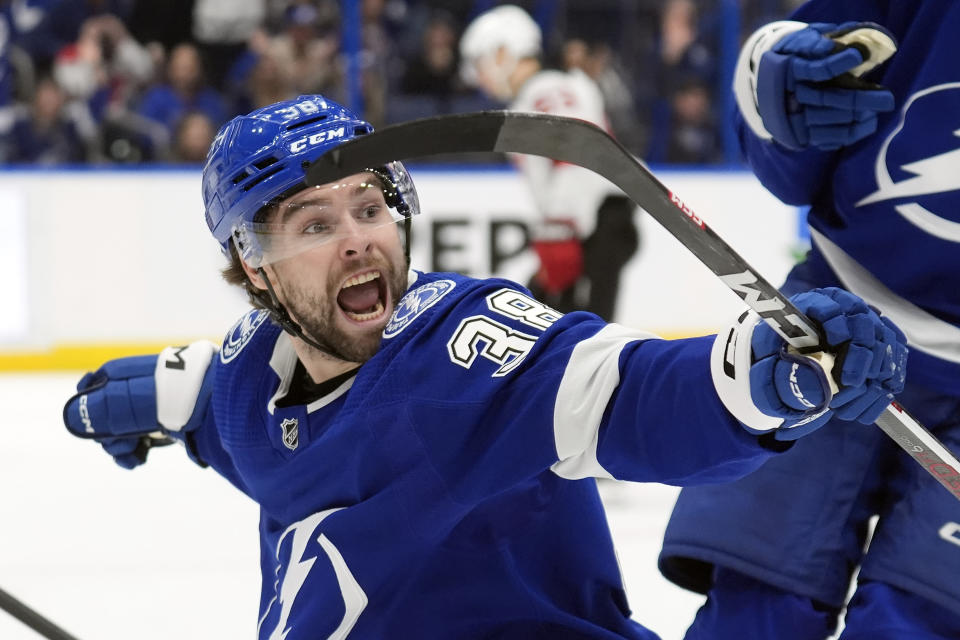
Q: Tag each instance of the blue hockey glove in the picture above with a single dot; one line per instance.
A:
(870, 365)
(131, 404)
(863, 366)
(808, 89)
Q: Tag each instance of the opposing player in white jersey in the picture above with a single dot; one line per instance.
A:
(876, 155)
(423, 446)
(587, 231)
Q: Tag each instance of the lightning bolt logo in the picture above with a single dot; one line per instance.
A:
(936, 174)
(297, 569)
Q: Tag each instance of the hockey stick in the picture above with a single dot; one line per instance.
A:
(32, 619)
(583, 144)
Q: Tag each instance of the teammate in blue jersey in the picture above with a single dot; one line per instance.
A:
(423, 446)
(876, 155)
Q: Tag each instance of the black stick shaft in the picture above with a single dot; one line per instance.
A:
(32, 619)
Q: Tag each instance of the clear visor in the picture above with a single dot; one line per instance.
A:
(355, 206)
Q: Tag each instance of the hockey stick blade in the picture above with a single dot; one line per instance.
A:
(583, 144)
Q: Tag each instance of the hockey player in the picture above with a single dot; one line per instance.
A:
(876, 158)
(423, 445)
(587, 232)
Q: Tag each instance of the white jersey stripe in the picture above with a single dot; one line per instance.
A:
(591, 377)
(924, 331)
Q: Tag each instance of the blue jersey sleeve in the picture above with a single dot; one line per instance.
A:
(502, 388)
(795, 177)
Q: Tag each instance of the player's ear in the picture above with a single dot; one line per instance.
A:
(254, 275)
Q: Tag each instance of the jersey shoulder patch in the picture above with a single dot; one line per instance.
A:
(414, 303)
(241, 333)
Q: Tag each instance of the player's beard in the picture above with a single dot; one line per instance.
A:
(317, 313)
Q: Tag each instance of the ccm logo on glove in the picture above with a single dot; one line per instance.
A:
(84, 414)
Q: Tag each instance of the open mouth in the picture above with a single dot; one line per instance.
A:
(363, 296)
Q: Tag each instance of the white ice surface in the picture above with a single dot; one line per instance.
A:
(169, 550)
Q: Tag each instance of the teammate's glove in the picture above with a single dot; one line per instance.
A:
(131, 404)
(799, 394)
(808, 87)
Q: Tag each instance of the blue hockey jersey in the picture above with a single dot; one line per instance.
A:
(445, 490)
(885, 212)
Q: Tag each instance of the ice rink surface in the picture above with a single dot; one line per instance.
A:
(169, 550)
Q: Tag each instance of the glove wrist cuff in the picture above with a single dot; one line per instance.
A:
(748, 66)
(730, 362)
(181, 378)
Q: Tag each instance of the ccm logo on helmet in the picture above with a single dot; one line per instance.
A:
(321, 136)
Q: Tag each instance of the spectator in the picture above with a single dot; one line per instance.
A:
(434, 69)
(684, 62)
(51, 131)
(598, 62)
(221, 29)
(43, 27)
(307, 49)
(192, 137)
(682, 52)
(678, 35)
(106, 67)
(575, 54)
(185, 90)
(268, 82)
(376, 60)
(693, 132)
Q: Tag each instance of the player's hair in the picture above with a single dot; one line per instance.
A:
(234, 274)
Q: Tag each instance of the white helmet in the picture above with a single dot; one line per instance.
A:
(507, 26)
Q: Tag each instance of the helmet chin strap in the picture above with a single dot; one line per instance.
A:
(282, 317)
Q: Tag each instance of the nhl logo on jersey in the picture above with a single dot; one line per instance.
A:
(291, 432)
(415, 303)
(240, 334)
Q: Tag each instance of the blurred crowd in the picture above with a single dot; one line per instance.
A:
(131, 81)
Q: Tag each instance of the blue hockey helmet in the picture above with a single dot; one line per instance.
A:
(261, 158)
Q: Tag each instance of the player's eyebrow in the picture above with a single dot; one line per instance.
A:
(315, 200)
(288, 211)
(366, 185)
